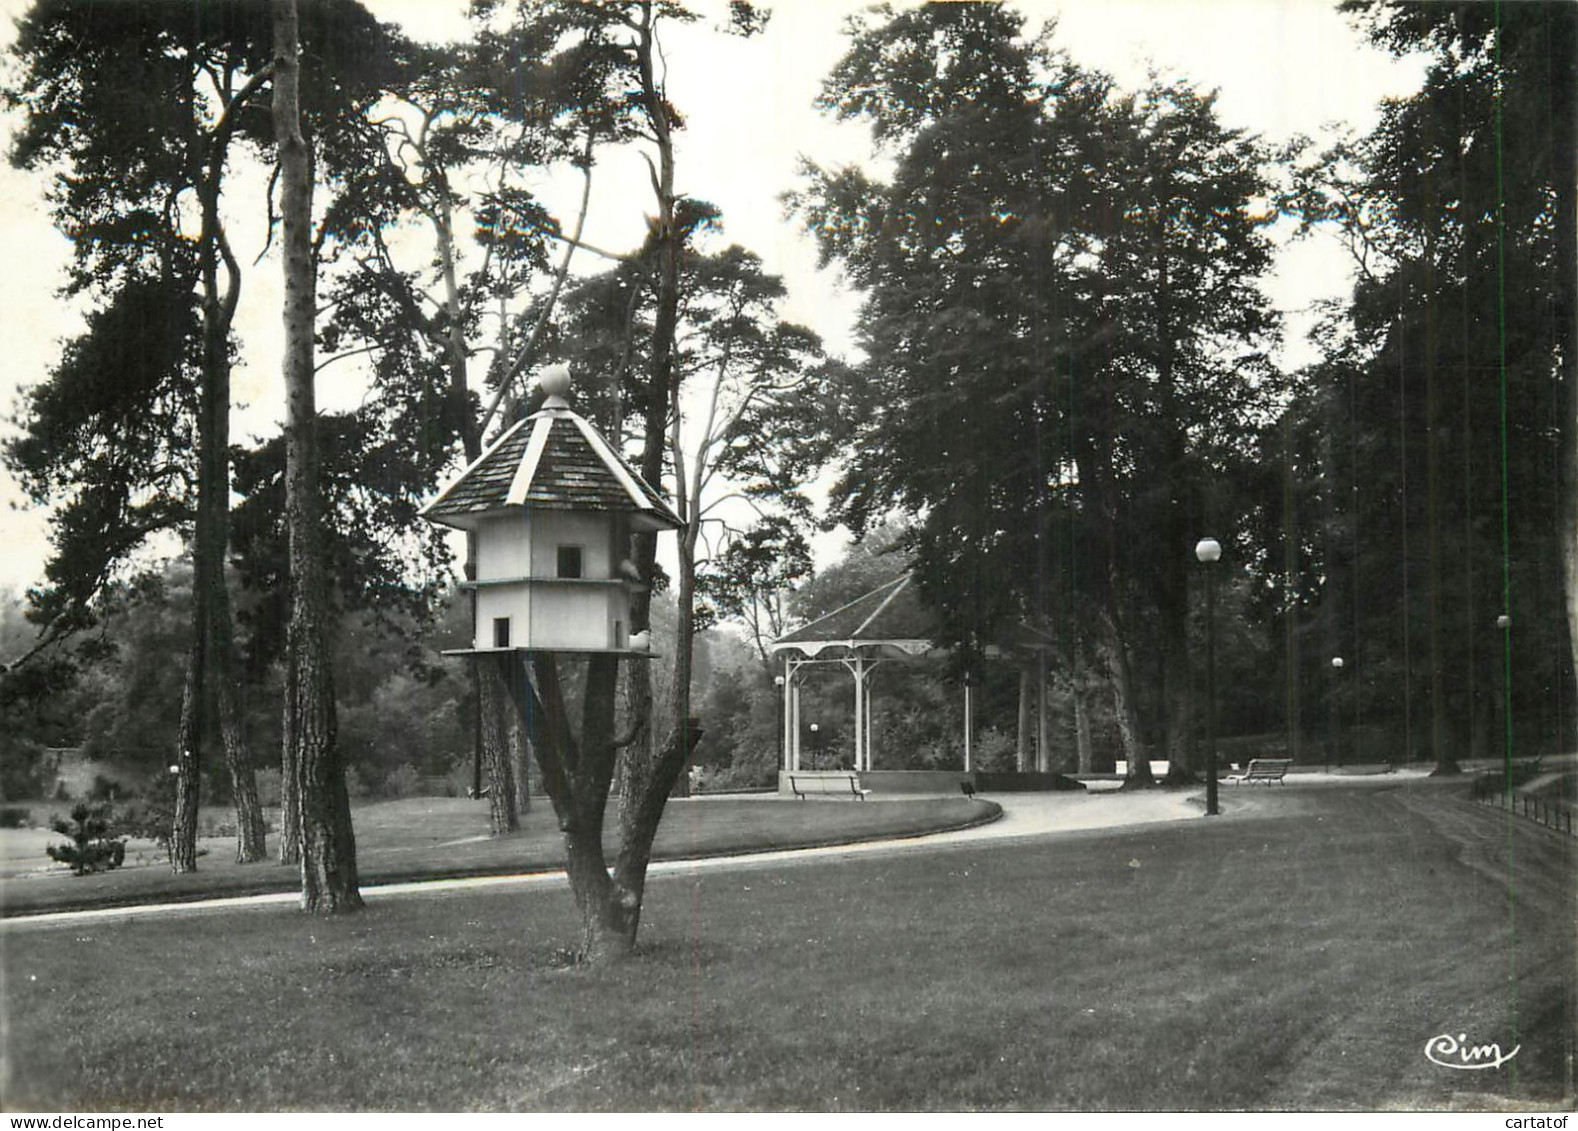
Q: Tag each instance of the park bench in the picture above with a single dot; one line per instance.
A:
(838, 784)
(968, 789)
(1267, 770)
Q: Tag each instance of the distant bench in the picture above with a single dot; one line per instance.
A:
(1267, 770)
(837, 784)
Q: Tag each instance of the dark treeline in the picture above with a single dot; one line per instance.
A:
(1066, 378)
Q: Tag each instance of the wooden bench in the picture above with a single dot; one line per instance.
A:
(968, 789)
(1267, 770)
(838, 785)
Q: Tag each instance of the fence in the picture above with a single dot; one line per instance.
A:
(1557, 815)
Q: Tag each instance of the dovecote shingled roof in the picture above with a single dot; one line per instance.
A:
(552, 460)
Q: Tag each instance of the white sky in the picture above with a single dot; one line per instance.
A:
(1282, 67)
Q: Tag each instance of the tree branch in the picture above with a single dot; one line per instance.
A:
(268, 205)
(529, 350)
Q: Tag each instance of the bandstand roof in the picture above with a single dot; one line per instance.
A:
(890, 616)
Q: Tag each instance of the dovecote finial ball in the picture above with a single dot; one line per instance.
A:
(555, 380)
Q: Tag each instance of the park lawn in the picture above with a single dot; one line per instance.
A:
(431, 837)
(1294, 957)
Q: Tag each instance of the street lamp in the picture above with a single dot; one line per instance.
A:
(1504, 694)
(816, 747)
(778, 687)
(1335, 742)
(1209, 551)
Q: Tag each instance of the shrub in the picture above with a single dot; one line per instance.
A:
(994, 751)
(153, 816)
(22, 770)
(103, 789)
(403, 781)
(741, 775)
(268, 782)
(14, 817)
(214, 827)
(91, 848)
(356, 783)
(459, 778)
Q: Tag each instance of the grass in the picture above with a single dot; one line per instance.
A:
(1294, 957)
(433, 837)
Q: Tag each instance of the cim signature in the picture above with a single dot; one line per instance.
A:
(1455, 1052)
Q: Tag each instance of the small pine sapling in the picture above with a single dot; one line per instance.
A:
(92, 849)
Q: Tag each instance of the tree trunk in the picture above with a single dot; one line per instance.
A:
(1290, 559)
(650, 766)
(505, 786)
(1023, 722)
(643, 754)
(214, 529)
(212, 638)
(653, 778)
(496, 728)
(1178, 701)
(289, 799)
(1115, 657)
(251, 828)
(1172, 581)
(1093, 455)
(492, 754)
(328, 846)
(196, 715)
(520, 758)
(638, 824)
(188, 780)
(577, 774)
(1084, 749)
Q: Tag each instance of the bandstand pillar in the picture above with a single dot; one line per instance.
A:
(786, 717)
(794, 713)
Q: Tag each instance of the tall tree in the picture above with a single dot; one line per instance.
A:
(964, 256)
(616, 55)
(312, 756)
(466, 124)
(1062, 321)
(1178, 351)
(1449, 393)
(756, 432)
(745, 420)
(123, 195)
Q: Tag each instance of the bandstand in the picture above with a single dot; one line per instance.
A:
(890, 624)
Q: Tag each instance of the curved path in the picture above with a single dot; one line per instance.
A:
(1024, 815)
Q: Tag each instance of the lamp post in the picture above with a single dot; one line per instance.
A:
(816, 747)
(969, 722)
(1336, 739)
(1504, 693)
(1209, 552)
(778, 688)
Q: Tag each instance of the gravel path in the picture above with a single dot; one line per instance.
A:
(1024, 815)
